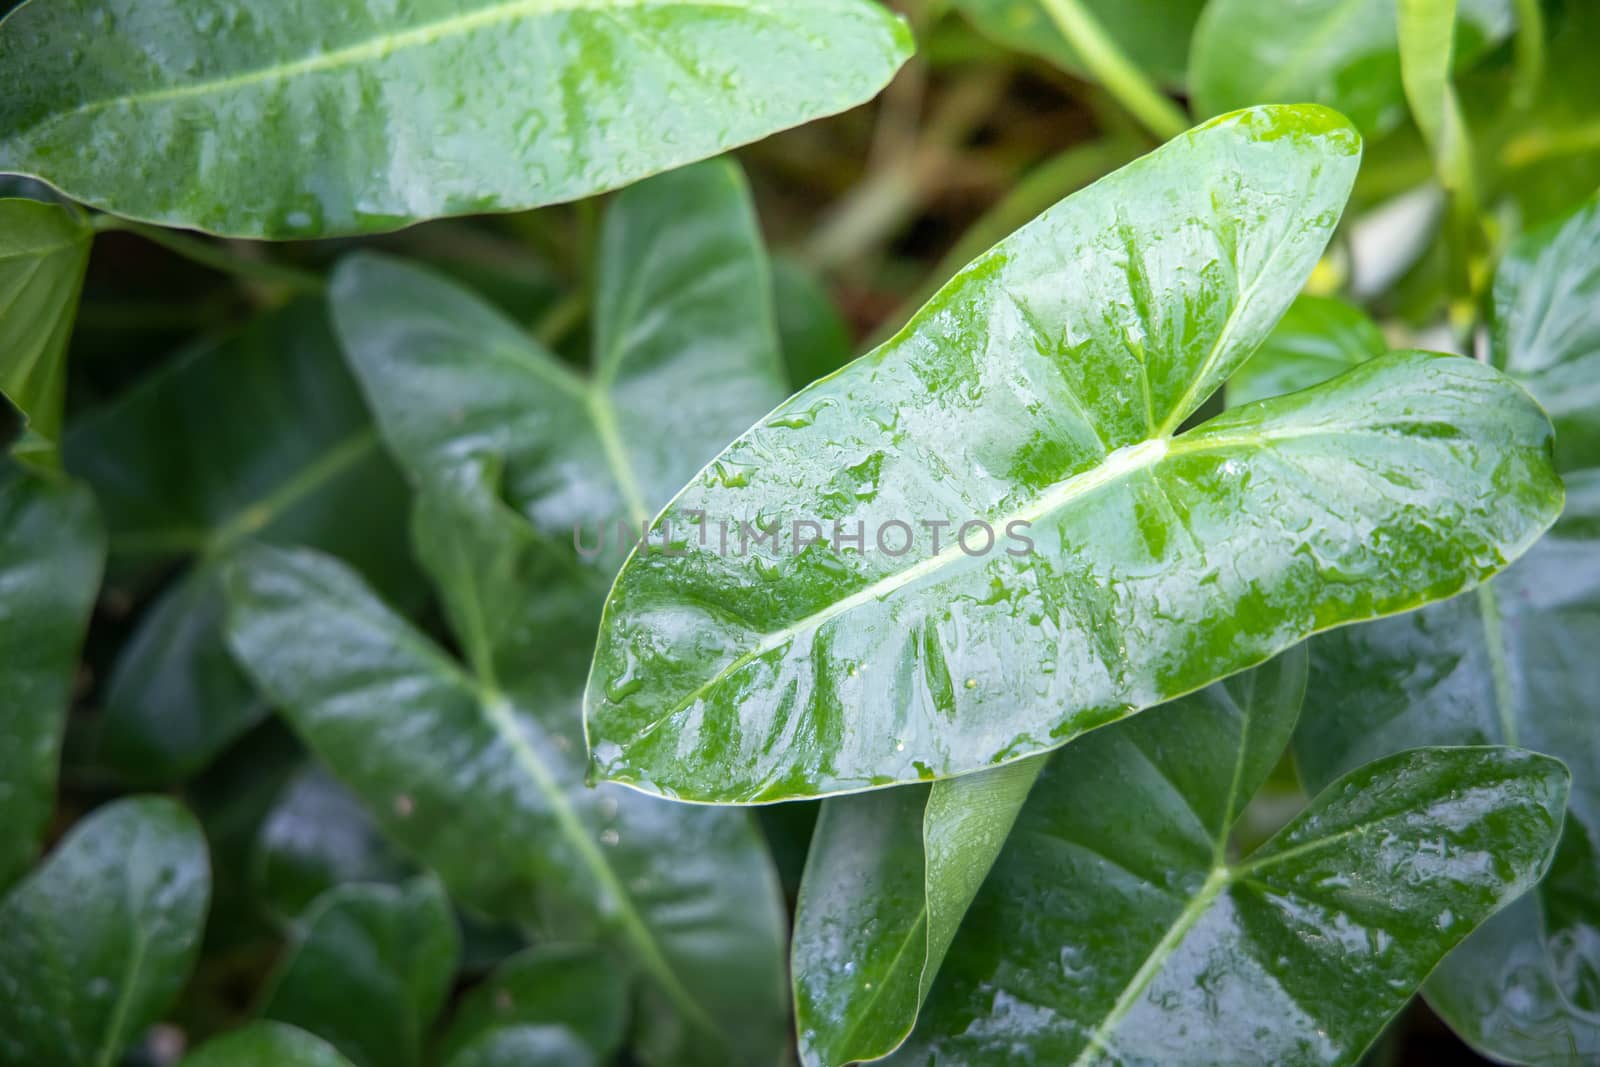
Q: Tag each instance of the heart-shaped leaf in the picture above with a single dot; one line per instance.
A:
(1118, 927)
(200, 115)
(544, 998)
(263, 435)
(96, 944)
(266, 1044)
(51, 551)
(1342, 53)
(369, 971)
(44, 250)
(1513, 664)
(1094, 562)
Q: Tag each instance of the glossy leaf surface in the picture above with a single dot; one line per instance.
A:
(1043, 387)
(545, 998)
(51, 550)
(44, 250)
(266, 1044)
(888, 880)
(263, 435)
(369, 971)
(96, 943)
(1342, 53)
(1317, 339)
(1153, 33)
(1547, 328)
(201, 115)
(683, 309)
(1117, 927)
(454, 769)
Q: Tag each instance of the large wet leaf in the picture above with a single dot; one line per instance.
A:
(44, 250)
(265, 436)
(550, 999)
(1153, 33)
(203, 114)
(888, 880)
(369, 971)
(51, 550)
(96, 944)
(1118, 926)
(1038, 396)
(1342, 53)
(266, 1044)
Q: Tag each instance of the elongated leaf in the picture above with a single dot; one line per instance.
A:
(370, 971)
(548, 995)
(263, 435)
(684, 358)
(317, 836)
(1117, 927)
(1547, 328)
(1342, 53)
(1153, 33)
(96, 943)
(201, 114)
(456, 770)
(44, 250)
(1039, 394)
(266, 1044)
(51, 550)
(889, 878)
(1318, 338)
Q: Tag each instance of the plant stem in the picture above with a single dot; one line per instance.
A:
(1529, 54)
(217, 257)
(1114, 70)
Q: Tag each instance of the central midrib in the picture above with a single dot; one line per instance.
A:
(382, 47)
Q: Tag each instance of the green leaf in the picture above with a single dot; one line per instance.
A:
(1342, 53)
(369, 971)
(1513, 663)
(550, 995)
(203, 115)
(265, 436)
(456, 769)
(51, 551)
(96, 944)
(527, 1046)
(1117, 927)
(1154, 33)
(683, 310)
(317, 836)
(1317, 339)
(889, 878)
(1547, 328)
(1044, 386)
(812, 334)
(44, 251)
(266, 1044)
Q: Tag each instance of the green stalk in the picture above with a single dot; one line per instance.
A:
(1114, 70)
